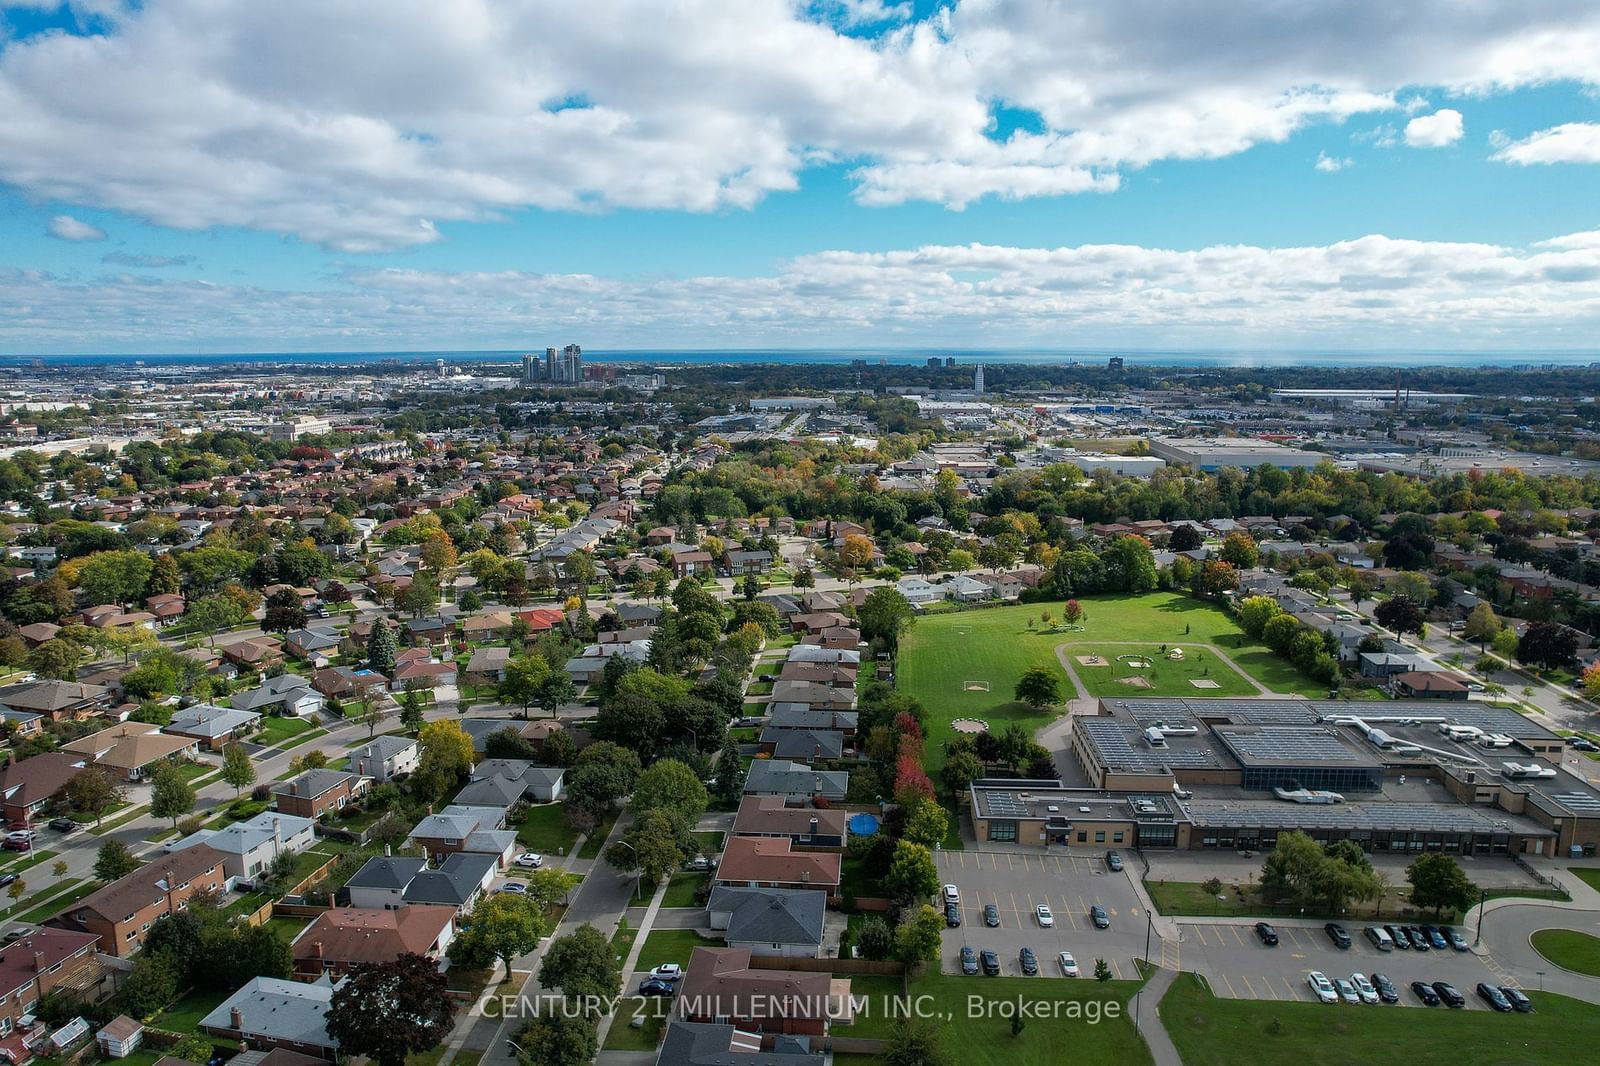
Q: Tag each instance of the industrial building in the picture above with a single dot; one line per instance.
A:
(1214, 453)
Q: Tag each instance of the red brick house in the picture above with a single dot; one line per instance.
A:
(121, 913)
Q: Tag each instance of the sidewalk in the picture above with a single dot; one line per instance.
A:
(633, 957)
(1147, 1018)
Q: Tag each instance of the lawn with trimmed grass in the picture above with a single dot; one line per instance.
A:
(624, 1037)
(60, 903)
(943, 656)
(1569, 949)
(682, 887)
(1125, 673)
(1212, 1031)
(1589, 875)
(279, 729)
(1191, 898)
(671, 945)
(184, 1016)
(546, 831)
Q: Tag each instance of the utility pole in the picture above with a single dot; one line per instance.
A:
(1483, 902)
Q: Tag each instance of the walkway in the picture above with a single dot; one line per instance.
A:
(1147, 1018)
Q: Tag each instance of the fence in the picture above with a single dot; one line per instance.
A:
(787, 962)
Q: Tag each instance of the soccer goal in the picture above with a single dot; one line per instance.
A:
(974, 686)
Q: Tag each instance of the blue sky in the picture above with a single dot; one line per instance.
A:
(219, 199)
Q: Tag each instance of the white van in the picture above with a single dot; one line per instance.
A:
(1380, 939)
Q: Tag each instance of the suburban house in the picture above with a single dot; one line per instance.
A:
(346, 683)
(772, 862)
(347, 937)
(381, 882)
(24, 724)
(802, 745)
(27, 787)
(123, 911)
(770, 921)
(487, 666)
(273, 1013)
(132, 750)
(1429, 685)
(257, 653)
(817, 697)
(312, 644)
(459, 882)
(44, 960)
(384, 758)
(1385, 664)
(738, 562)
(795, 782)
(720, 985)
(803, 716)
(287, 694)
(315, 792)
(251, 846)
(57, 700)
(767, 816)
(709, 1044)
(538, 784)
(215, 727)
(691, 562)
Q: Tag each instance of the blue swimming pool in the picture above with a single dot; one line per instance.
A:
(863, 825)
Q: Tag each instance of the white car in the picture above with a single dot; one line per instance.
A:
(1046, 919)
(1322, 986)
(699, 862)
(1069, 965)
(952, 894)
(530, 860)
(514, 887)
(667, 971)
(1347, 991)
(1364, 988)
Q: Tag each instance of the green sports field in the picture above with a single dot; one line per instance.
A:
(1142, 670)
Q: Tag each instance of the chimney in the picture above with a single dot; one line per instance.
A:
(316, 949)
(805, 875)
(236, 1019)
(38, 962)
(293, 788)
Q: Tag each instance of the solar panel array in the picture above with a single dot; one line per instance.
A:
(1006, 805)
(1286, 744)
(1583, 803)
(1282, 711)
(1388, 817)
(1124, 750)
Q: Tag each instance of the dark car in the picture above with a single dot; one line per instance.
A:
(991, 964)
(952, 915)
(1398, 935)
(1266, 934)
(6, 879)
(1425, 992)
(1337, 934)
(1518, 999)
(1418, 941)
(1029, 962)
(969, 962)
(1097, 915)
(1457, 941)
(64, 825)
(1582, 744)
(1449, 995)
(1494, 997)
(1386, 989)
(991, 915)
(1113, 862)
(654, 986)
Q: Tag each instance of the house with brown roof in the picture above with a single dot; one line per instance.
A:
(316, 792)
(133, 750)
(57, 700)
(1427, 685)
(121, 913)
(720, 985)
(40, 963)
(257, 653)
(772, 862)
(347, 937)
(27, 787)
(768, 816)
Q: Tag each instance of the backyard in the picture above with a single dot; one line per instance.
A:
(545, 830)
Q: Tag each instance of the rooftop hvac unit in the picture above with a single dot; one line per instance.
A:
(1495, 740)
(1155, 737)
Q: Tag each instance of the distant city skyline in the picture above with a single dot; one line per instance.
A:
(178, 176)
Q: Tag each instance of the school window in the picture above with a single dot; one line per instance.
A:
(1116, 838)
(1083, 836)
(1003, 830)
(1099, 836)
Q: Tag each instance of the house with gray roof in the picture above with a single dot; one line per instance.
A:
(769, 921)
(215, 727)
(386, 757)
(538, 784)
(802, 745)
(712, 1044)
(795, 782)
(288, 694)
(250, 847)
(381, 882)
(272, 1013)
(459, 882)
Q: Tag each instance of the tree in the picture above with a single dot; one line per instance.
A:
(503, 926)
(912, 874)
(1214, 578)
(1038, 687)
(1254, 612)
(1401, 614)
(1239, 551)
(524, 675)
(213, 615)
(115, 577)
(171, 796)
(192, 1048)
(1547, 645)
(555, 691)
(389, 1010)
(914, 1042)
(919, 936)
(602, 774)
(444, 757)
(411, 710)
(960, 770)
(582, 966)
(381, 648)
(237, 769)
(884, 615)
(1505, 643)
(558, 1038)
(875, 939)
(855, 552)
(164, 578)
(56, 659)
(730, 773)
(1439, 883)
(671, 786)
(114, 861)
(151, 985)
(1481, 626)
(284, 612)
(94, 791)
(655, 846)
(1129, 564)
(1185, 538)
(926, 823)
(1102, 971)
(1071, 613)
(1358, 586)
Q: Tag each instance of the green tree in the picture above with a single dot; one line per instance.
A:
(56, 659)
(113, 861)
(1254, 612)
(1102, 971)
(1481, 626)
(94, 791)
(555, 691)
(164, 577)
(915, 1042)
(115, 577)
(150, 985)
(284, 612)
(213, 615)
(171, 796)
(919, 936)
(671, 786)
(582, 966)
(444, 757)
(884, 615)
(912, 874)
(558, 1038)
(926, 823)
(381, 648)
(1038, 687)
(875, 939)
(237, 768)
(1130, 566)
(1439, 884)
(1505, 643)
(654, 846)
(730, 773)
(960, 770)
(524, 675)
(411, 710)
(503, 926)
(193, 1048)
(1239, 551)
(387, 1011)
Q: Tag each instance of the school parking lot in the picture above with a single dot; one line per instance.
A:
(1016, 883)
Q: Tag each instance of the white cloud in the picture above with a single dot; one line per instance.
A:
(1373, 291)
(1573, 142)
(67, 228)
(1438, 130)
(1331, 164)
(365, 125)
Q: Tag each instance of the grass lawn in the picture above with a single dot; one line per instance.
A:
(28, 859)
(90, 817)
(1569, 949)
(278, 729)
(624, 1037)
(1164, 677)
(973, 1039)
(942, 653)
(1188, 897)
(681, 888)
(286, 929)
(710, 840)
(1589, 875)
(546, 831)
(193, 771)
(671, 945)
(1209, 1031)
(115, 823)
(878, 990)
(184, 1016)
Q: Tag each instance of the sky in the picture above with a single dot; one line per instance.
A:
(185, 176)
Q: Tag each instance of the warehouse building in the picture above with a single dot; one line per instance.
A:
(1214, 453)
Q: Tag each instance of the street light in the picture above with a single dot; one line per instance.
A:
(1483, 902)
(1149, 922)
(638, 879)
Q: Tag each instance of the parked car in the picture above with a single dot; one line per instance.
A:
(1457, 941)
(530, 860)
(1097, 915)
(1386, 989)
(969, 961)
(1322, 987)
(699, 862)
(991, 915)
(1582, 744)
(1418, 941)
(514, 887)
(1046, 919)
(19, 840)
(1364, 988)
(952, 915)
(1029, 962)
(1337, 934)
(1379, 937)
(6, 879)
(1069, 965)
(1518, 998)
(1424, 991)
(1494, 997)
(991, 963)
(1436, 939)
(64, 825)
(1449, 995)
(1266, 934)
(1347, 991)
(18, 933)
(952, 894)
(667, 971)
(1113, 862)
(652, 986)
(1398, 936)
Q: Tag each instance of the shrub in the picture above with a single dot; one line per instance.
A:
(1211, 886)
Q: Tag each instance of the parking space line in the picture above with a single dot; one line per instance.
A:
(1229, 983)
(1290, 986)
(1237, 935)
(1248, 986)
